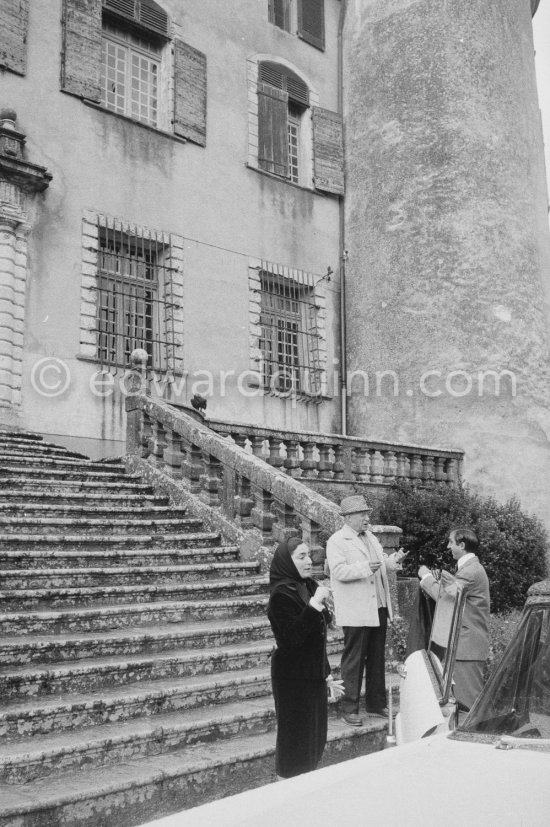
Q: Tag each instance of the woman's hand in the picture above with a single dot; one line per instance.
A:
(335, 688)
(321, 598)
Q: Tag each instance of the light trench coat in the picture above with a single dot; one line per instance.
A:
(352, 579)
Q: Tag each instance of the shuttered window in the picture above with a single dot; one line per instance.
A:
(282, 101)
(328, 151)
(129, 75)
(189, 93)
(279, 13)
(311, 22)
(114, 53)
(14, 21)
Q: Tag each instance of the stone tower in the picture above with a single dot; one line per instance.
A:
(446, 227)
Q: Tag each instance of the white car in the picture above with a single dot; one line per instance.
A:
(492, 770)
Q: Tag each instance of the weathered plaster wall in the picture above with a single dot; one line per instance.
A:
(447, 232)
(225, 211)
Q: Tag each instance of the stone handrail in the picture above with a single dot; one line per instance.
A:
(332, 457)
(259, 505)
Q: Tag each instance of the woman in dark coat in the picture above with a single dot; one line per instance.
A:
(300, 669)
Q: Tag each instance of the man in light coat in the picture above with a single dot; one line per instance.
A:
(473, 641)
(362, 603)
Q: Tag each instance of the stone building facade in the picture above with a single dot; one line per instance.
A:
(322, 215)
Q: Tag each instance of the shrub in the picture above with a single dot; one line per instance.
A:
(513, 544)
(501, 629)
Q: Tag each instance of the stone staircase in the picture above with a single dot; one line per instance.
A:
(134, 650)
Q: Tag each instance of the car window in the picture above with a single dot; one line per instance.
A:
(445, 630)
(516, 701)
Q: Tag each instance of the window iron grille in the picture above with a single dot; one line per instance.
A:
(289, 338)
(133, 311)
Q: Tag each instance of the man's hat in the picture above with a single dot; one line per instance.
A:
(353, 505)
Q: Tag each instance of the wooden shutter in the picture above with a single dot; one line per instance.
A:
(189, 93)
(311, 22)
(81, 62)
(328, 151)
(14, 20)
(273, 129)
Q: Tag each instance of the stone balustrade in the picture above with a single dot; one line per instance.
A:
(335, 458)
(254, 504)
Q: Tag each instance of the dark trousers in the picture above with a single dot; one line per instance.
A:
(364, 655)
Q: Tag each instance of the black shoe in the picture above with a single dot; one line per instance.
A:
(379, 713)
(353, 719)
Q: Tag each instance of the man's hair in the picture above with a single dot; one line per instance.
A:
(466, 535)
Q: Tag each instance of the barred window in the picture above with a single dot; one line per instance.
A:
(289, 339)
(132, 307)
(279, 13)
(130, 74)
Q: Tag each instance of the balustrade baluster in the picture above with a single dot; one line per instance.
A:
(292, 461)
(311, 536)
(325, 464)
(240, 439)
(275, 459)
(257, 443)
(191, 466)
(211, 479)
(360, 464)
(390, 466)
(146, 437)
(416, 468)
(173, 454)
(308, 463)
(339, 465)
(453, 477)
(262, 515)
(376, 466)
(428, 471)
(244, 501)
(402, 470)
(158, 444)
(440, 475)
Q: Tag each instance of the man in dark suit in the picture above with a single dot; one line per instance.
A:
(473, 641)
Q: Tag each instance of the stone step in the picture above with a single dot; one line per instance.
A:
(45, 716)
(106, 618)
(111, 744)
(70, 497)
(34, 445)
(80, 578)
(76, 526)
(74, 542)
(78, 473)
(65, 486)
(17, 683)
(25, 600)
(132, 641)
(56, 463)
(46, 558)
(136, 791)
(39, 510)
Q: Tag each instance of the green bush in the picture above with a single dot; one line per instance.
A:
(513, 544)
(501, 629)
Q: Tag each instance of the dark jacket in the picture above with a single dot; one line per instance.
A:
(300, 633)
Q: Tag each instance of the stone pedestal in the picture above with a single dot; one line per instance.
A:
(448, 269)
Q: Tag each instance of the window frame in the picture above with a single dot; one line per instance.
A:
(288, 324)
(130, 290)
(127, 41)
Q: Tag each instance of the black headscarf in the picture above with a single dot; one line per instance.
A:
(283, 572)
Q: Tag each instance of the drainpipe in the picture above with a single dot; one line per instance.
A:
(343, 251)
